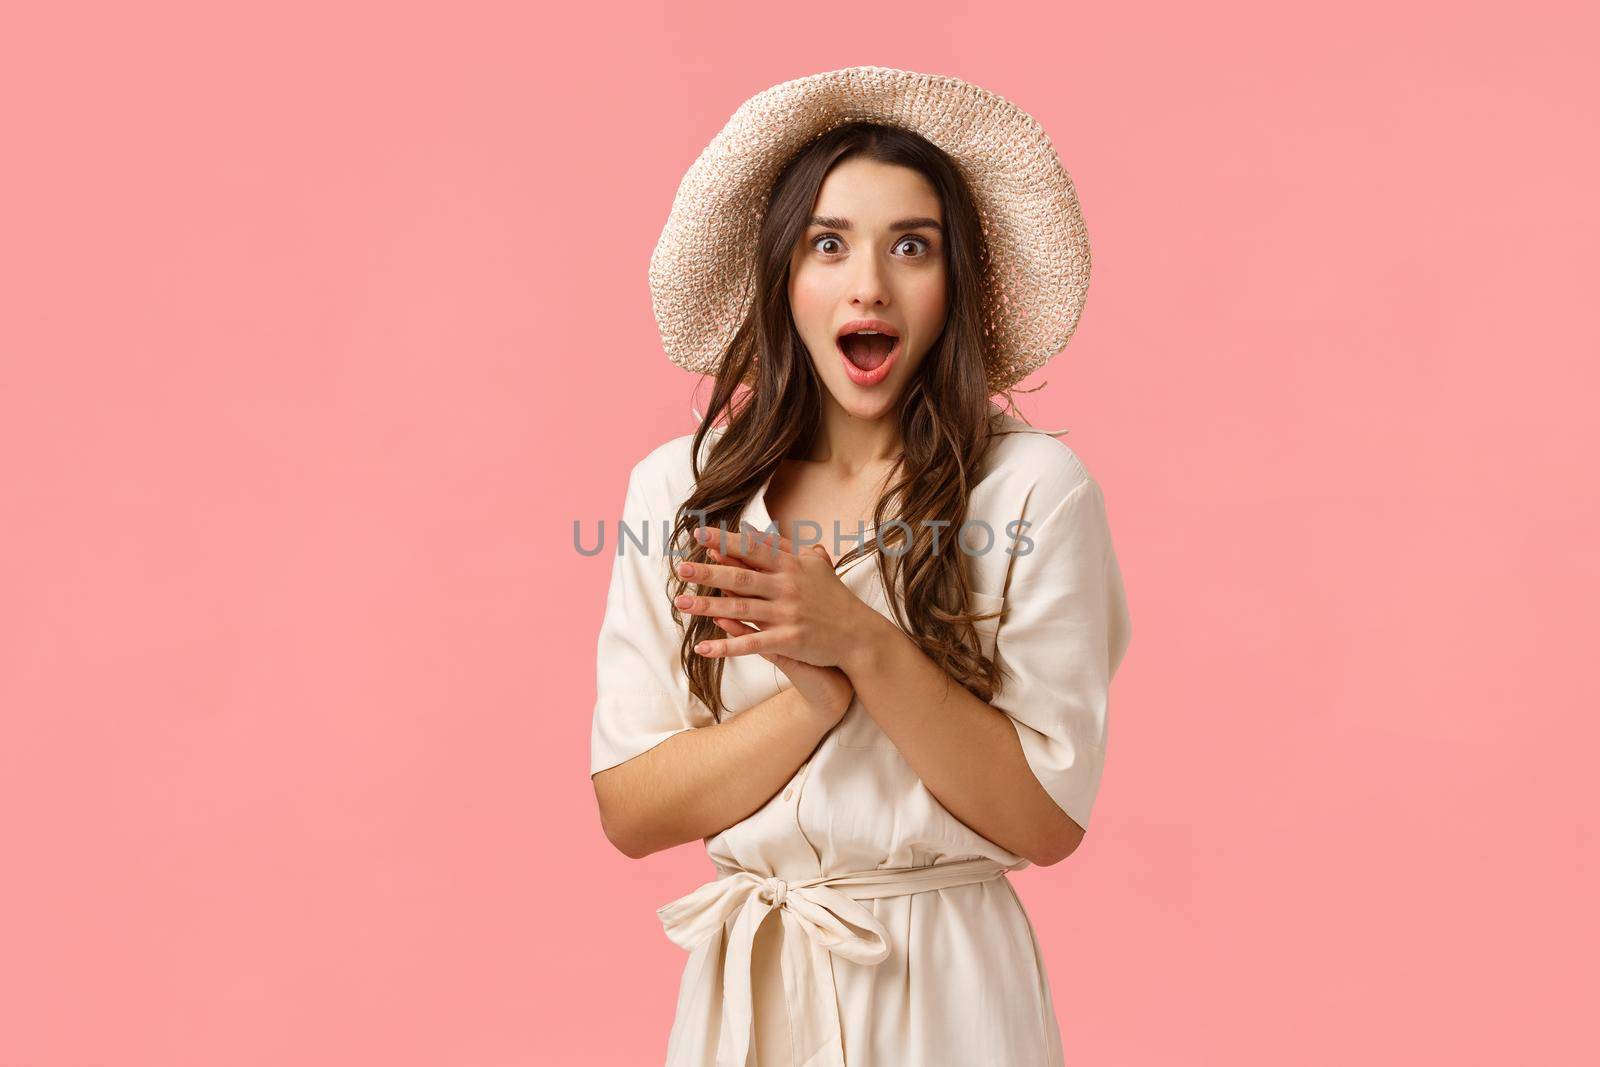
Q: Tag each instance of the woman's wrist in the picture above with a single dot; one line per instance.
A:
(820, 713)
(873, 631)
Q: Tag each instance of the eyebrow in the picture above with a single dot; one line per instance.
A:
(834, 222)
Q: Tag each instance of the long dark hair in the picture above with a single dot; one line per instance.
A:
(768, 394)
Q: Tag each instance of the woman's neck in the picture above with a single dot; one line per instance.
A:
(852, 445)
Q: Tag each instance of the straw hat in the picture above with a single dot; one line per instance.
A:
(1037, 271)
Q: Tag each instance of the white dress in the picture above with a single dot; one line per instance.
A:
(786, 972)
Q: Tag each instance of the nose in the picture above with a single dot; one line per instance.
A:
(868, 286)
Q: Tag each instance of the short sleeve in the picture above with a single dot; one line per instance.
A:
(641, 692)
(1063, 635)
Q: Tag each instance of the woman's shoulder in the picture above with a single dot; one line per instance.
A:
(665, 475)
(1028, 468)
(667, 456)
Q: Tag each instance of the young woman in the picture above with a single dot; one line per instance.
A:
(870, 731)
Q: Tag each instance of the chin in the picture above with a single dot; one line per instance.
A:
(867, 405)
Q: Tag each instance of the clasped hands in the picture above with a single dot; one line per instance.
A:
(812, 626)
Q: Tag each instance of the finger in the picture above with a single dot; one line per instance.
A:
(739, 629)
(744, 581)
(718, 557)
(747, 644)
(759, 538)
(784, 544)
(769, 536)
(777, 659)
(747, 544)
(766, 545)
(753, 609)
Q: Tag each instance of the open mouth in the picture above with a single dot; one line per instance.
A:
(869, 348)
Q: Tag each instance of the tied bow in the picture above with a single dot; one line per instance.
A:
(829, 913)
(831, 921)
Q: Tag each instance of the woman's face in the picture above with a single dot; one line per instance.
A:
(874, 250)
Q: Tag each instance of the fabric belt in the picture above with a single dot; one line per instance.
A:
(827, 910)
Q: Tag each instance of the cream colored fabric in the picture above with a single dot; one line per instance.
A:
(826, 915)
(940, 973)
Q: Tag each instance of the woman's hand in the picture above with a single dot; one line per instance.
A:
(803, 610)
(828, 690)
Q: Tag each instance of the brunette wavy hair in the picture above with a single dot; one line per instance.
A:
(768, 396)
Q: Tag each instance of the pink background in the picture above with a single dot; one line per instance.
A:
(319, 326)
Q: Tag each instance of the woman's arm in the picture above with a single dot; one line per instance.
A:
(965, 751)
(1022, 771)
(699, 782)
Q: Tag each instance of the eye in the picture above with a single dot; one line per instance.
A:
(917, 242)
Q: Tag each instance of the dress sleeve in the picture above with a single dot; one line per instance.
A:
(1063, 635)
(641, 692)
